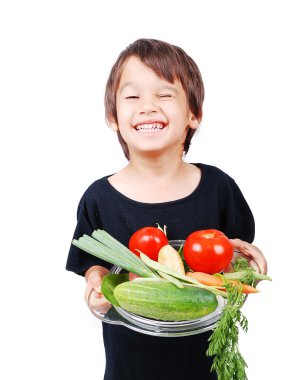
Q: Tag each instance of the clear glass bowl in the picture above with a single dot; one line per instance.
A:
(119, 316)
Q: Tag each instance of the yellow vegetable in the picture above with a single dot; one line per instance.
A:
(169, 257)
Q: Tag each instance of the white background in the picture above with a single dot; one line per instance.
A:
(55, 59)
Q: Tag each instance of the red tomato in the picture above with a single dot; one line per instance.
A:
(148, 240)
(208, 251)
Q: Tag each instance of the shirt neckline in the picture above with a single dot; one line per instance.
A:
(158, 204)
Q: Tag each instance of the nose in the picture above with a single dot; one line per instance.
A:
(148, 106)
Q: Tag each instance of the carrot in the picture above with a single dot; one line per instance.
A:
(211, 280)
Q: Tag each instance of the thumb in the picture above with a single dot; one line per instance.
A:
(97, 288)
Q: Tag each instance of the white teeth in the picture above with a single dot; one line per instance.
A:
(155, 127)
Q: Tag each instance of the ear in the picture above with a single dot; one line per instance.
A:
(193, 121)
(113, 126)
(111, 122)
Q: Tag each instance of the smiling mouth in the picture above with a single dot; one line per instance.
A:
(146, 128)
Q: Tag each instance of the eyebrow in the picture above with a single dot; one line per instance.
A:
(170, 88)
(164, 87)
(127, 84)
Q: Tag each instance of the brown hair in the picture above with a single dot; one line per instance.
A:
(168, 62)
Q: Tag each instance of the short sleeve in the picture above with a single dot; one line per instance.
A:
(88, 220)
(238, 219)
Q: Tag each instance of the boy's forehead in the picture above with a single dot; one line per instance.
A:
(133, 61)
(135, 72)
(134, 67)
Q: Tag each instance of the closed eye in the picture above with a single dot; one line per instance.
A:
(132, 97)
(165, 96)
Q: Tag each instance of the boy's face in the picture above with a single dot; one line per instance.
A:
(153, 114)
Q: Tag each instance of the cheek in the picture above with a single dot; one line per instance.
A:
(121, 120)
(180, 119)
(124, 113)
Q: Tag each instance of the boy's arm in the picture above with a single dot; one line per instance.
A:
(93, 277)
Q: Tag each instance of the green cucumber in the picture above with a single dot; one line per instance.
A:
(109, 282)
(164, 301)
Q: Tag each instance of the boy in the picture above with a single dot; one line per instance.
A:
(154, 98)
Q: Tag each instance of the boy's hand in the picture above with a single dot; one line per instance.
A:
(93, 296)
(252, 253)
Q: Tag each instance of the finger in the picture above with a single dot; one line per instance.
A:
(105, 308)
(88, 294)
(89, 289)
(241, 246)
(97, 288)
(252, 252)
(96, 297)
(258, 259)
(254, 265)
(262, 264)
(99, 304)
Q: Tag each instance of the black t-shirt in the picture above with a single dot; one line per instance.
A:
(216, 203)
